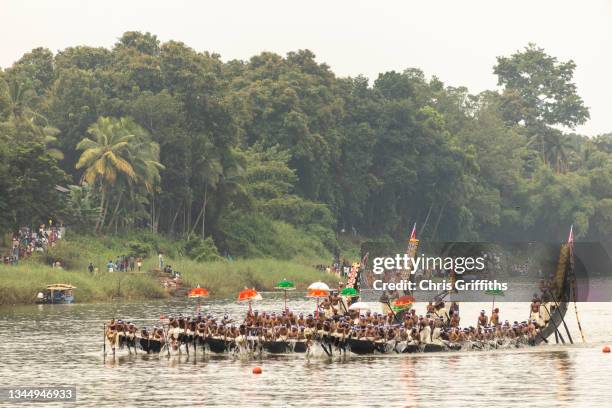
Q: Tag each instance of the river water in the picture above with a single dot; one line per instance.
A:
(61, 345)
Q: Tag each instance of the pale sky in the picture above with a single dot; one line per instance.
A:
(456, 40)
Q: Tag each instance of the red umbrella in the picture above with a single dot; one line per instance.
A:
(317, 293)
(249, 294)
(404, 301)
(198, 293)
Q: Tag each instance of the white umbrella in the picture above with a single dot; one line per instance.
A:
(319, 285)
(359, 306)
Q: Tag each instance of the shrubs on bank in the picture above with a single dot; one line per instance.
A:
(265, 252)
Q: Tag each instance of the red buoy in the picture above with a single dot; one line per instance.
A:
(257, 370)
(606, 349)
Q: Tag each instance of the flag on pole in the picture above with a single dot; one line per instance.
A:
(413, 233)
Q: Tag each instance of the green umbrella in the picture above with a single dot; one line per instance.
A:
(285, 285)
(349, 292)
(494, 292)
(396, 308)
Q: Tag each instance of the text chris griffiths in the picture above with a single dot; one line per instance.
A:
(428, 285)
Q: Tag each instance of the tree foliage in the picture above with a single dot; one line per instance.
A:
(234, 155)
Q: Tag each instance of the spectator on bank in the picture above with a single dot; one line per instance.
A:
(110, 266)
(131, 263)
(139, 263)
(90, 268)
(161, 261)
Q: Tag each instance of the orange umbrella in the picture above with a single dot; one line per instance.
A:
(317, 293)
(404, 301)
(249, 294)
(198, 293)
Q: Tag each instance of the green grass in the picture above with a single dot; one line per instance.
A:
(226, 279)
(21, 283)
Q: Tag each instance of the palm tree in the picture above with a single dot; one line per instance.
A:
(48, 135)
(21, 98)
(144, 157)
(105, 159)
(558, 146)
(210, 171)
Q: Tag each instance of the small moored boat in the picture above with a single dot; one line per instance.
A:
(56, 293)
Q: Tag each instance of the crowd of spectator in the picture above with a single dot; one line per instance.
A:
(123, 263)
(339, 268)
(26, 241)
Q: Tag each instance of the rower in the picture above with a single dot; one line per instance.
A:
(436, 335)
(425, 332)
(494, 320)
(440, 311)
(482, 319)
(455, 319)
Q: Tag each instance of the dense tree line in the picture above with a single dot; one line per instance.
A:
(162, 137)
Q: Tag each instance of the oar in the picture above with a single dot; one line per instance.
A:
(323, 346)
(390, 308)
(166, 341)
(104, 341)
(185, 337)
(127, 343)
(576, 310)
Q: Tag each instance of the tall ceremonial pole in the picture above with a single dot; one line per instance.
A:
(413, 244)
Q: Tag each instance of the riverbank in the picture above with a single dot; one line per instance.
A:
(19, 284)
(223, 277)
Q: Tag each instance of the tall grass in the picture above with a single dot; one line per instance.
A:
(21, 283)
(226, 279)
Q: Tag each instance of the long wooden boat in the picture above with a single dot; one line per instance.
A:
(555, 299)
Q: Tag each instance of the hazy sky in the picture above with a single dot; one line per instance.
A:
(456, 40)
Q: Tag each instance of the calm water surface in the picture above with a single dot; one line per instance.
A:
(62, 345)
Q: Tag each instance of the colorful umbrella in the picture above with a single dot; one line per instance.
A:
(494, 292)
(319, 285)
(285, 285)
(318, 290)
(317, 293)
(403, 301)
(349, 292)
(249, 295)
(198, 293)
